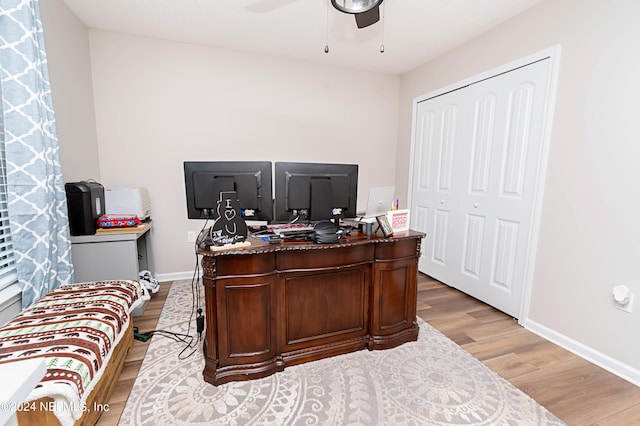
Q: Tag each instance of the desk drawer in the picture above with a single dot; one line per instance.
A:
(396, 250)
(319, 258)
(243, 265)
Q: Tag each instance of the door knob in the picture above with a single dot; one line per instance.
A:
(441, 201)
(476, 205)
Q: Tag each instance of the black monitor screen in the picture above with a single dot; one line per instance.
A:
(315, 190)
(251, 180)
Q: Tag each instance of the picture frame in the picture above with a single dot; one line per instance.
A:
(399, 220)
(385, 226)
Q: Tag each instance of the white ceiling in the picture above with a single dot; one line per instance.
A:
(412, 31)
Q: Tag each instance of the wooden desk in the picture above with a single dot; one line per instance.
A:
(273, 305)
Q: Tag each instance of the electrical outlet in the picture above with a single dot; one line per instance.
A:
(626, 308)
(191, 237)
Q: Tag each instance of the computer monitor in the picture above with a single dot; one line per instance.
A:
(250, 180)
(316, 191)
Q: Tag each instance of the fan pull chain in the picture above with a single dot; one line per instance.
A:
(326, 40)
(383, 16)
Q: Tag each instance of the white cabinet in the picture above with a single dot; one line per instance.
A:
(112, 256)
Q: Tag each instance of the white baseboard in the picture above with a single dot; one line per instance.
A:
(612, 365)
(175, 276)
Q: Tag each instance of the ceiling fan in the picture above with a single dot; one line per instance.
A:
(366, 12)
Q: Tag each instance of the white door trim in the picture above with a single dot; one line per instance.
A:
(553, 55)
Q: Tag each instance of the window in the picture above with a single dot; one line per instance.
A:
(8, 273)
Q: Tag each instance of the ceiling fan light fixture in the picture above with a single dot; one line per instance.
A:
(355, 6)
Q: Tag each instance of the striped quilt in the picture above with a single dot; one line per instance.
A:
(75, 328)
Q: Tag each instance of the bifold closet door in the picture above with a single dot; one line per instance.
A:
(476, 169)
(439, 129)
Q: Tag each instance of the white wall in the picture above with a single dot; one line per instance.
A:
(161, 103)
(590, 234)
(67, 44)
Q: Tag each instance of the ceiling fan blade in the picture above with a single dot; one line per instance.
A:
(367, 18)
(264, 6)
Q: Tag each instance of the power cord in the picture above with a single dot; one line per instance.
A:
(178, 337)
(195, 290)
(195, 308)
(200, 323)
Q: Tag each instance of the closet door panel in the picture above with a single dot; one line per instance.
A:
(473, 245)
(501, 169)
(481, 144)
(436, 186)
(446, 147)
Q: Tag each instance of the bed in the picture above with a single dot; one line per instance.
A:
(84, 332)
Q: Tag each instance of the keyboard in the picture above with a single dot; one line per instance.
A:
(293, 231)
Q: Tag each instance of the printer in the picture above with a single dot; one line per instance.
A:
(128, 201)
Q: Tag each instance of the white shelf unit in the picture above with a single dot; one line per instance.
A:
(112, 256)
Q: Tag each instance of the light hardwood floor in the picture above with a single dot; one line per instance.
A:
(576, 391)
(145, 323)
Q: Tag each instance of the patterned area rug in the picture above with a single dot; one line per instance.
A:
(429, 382)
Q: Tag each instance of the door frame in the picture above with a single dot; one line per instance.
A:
(553, 55)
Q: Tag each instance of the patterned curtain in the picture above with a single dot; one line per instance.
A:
(37, 201)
